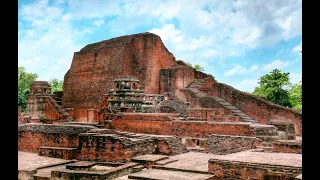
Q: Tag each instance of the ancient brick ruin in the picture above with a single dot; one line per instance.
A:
(127, 104)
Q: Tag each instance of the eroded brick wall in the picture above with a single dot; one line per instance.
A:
(261, 110)
(99, 148)
(224, 144)
(182, 128)
(32, 136)
(224, 169)
(173, 80)
(290, 146)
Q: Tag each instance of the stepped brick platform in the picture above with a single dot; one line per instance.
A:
(29, 163)
(153, 174)
(287, 146)
(259, 165)
(267, 133)
(286, 127)
(245, 165)
(45, 173)
(198, 129)
(165, 161)
(149, 160)
(97, 171)
(118, 146)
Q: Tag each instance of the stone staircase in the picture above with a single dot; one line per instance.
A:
(57, 96)
(234, 110)
(195, 88)
(66, 115)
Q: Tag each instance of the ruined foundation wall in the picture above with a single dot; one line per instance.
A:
(32, 136)
(242, 170)
(289, 146)
(182, 128)
(224, 144)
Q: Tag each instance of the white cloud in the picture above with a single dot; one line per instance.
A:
(253, 68)
(87, 9)
(168, 33)
(193, 31)
(98, 23)
(40, 14)
(238, 69)
(209, 52)
(276, 64)
(295, 77)
(298, 48)
(66, 17)
(47, 47)
(230, 27)
(247, 85)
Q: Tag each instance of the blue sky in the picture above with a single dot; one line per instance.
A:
(237, 41)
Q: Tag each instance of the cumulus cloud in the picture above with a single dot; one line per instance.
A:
(247, 85)
(205, 30)
(276, 64)
(47, 47)
(295, 77)
(298, 48)
(88, 9)
(238, 69)
(98, 23)
(168, 33)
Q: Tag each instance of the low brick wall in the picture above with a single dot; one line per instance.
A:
(224, 144)
(147, 116)
(285, 126)
(224, 169)
(182, 128)
(63, 153)
(206, 113)
(287, 146)
(103, 147)
(32, 136)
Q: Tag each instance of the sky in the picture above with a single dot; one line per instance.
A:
(237, 41)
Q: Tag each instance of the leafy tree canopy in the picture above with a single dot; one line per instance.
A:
(274, 87)
(56, 85)
(295, 96)
(196, 66)
(24, 81)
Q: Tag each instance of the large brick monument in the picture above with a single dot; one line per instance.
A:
(127, 104)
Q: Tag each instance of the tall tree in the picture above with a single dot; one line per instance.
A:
(274, 87)
(56, 85)
(295, 96)
(24, 81)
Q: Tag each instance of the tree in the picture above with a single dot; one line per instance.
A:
(56, 85)
(274, 87)
(295, 96)
(24, 81)
(196, 66)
